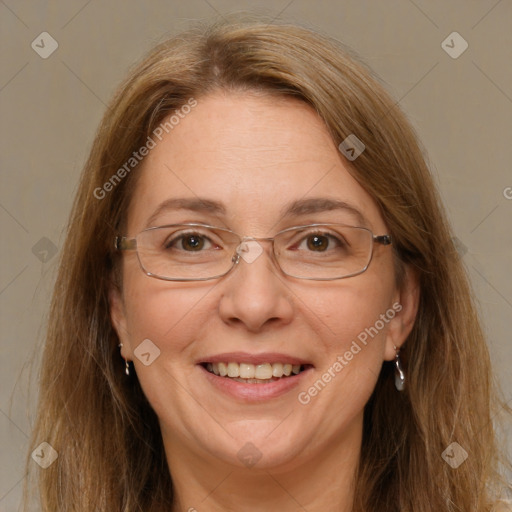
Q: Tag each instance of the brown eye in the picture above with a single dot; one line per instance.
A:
(189, 242)
(192, 242)
(317, 242)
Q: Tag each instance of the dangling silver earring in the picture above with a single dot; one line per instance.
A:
(127, 364)
(399, 372)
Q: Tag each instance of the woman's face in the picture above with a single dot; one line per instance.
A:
(255, 156)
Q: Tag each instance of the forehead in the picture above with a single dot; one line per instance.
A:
(253, 154)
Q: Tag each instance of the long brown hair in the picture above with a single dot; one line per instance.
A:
(110, 452)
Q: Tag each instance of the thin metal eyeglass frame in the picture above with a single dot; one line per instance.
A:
(122, 243)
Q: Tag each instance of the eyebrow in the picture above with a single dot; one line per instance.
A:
(187, 203)
(320, 204)
(297, 208)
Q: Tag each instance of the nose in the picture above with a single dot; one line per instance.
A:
(254, 292)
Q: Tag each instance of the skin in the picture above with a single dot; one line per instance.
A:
(255, 154)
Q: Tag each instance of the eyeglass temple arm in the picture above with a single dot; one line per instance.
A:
(122, 243)
(382, 239)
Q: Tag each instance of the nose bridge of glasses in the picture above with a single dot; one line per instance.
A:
(249, 248)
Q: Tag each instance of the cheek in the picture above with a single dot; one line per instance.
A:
(349, 309)
(160, 310)
(170, 316)
(351, 319)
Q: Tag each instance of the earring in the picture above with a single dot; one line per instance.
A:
(127, 364)
(399, 371)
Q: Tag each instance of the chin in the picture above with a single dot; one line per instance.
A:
(259, 445)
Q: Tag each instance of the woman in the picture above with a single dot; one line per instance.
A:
(259, 305)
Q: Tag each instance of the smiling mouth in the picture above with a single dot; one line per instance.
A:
(255, 373)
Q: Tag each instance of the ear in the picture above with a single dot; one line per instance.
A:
(118, 318)
(405, 304)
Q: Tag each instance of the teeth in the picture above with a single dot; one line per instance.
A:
(223, 369)
(233, 369)
(263, 371)
(252, 381)
(246, 372)
(277, 370)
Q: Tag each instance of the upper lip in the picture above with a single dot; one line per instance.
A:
(246, 357)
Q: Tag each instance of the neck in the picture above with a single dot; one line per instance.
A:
(315, 482)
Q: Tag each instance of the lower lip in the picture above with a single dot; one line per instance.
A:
(255, 392)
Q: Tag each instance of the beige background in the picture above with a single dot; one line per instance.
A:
(50, 108)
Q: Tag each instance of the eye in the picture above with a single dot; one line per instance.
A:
(190, 242)
(321, 242)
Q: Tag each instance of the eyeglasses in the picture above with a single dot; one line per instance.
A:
(199, 252)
